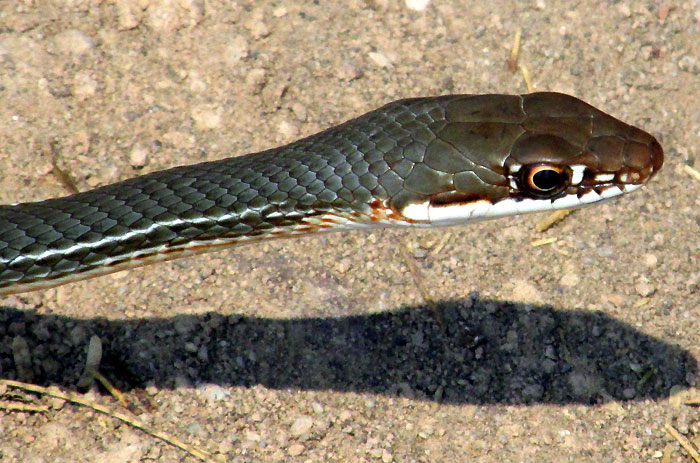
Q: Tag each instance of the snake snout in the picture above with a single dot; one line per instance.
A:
(642, 159)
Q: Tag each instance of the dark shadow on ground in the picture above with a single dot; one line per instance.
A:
(488, 352)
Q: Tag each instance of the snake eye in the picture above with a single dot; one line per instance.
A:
(544, 180)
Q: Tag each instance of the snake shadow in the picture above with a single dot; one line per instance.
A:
(484, 351)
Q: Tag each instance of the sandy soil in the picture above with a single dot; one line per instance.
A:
(323, 349)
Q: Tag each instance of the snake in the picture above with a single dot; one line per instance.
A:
(418, 162)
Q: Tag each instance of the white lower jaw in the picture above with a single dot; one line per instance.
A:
(475, 211)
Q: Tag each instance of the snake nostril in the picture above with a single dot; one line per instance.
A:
(657, 155)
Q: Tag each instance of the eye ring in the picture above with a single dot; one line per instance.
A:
(544, 180)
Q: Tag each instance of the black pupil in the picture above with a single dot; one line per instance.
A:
(547, 179)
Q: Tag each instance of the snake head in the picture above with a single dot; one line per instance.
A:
(530, 153)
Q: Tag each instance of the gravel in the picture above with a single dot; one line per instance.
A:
(323, 349)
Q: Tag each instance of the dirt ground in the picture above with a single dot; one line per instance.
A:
(324, 349)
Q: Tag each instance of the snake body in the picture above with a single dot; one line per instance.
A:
(415, 162)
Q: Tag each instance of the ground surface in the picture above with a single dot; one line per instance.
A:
(323, 349)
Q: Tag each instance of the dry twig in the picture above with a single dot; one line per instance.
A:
(685, 443)
(76, 399)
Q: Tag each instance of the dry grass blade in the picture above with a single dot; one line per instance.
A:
(685, 443)
(17, 407)
(514, 52)
(552, 219)
(543, 242)
(92, 362)
(74, 398)
(116, 393)
(441, 245)
(692, 172)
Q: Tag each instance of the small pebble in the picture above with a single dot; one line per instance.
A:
(605, 251)
(252, 436)
(420, 253)
(693, 282)
(644, 288)
(615, 299)
(317, 408)
(56, 404)
(569, 279)
(526, 292)
(659, 239)
(213, 392)
(84, 86)
(225, 446)
(256, 81)
(677, 395)
(417, 5)
(129, 15)
(288, 130)
(295, 450)
(347, 71)
(301, 425)
(194, 429)
(206, 118)
(73, 42)
(236, 50)
(166, 16)
(689, 63)
(299, 111)
(138, 156)
(624, 10)
(196, 84)
(650, 260)
(257, 28)
(380, 59)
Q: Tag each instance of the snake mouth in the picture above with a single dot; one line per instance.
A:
(476, 210)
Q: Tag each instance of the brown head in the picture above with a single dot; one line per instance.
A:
(499, 155)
